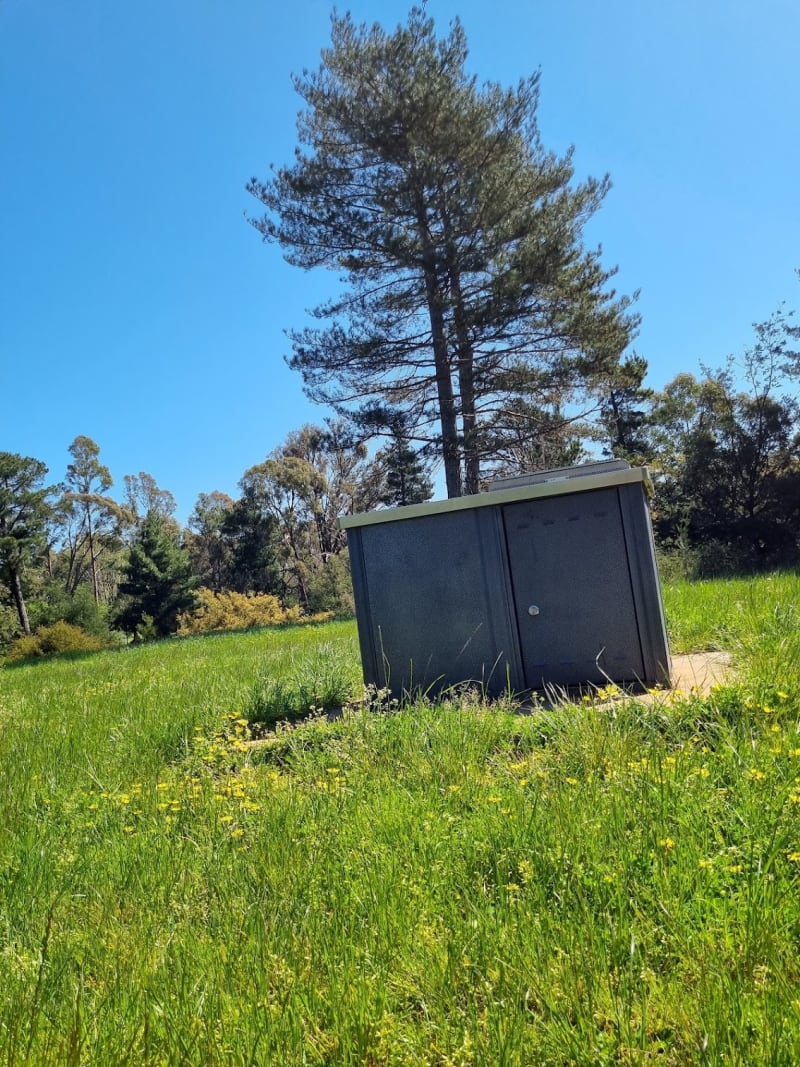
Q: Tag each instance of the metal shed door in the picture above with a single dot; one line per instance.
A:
(572, 589)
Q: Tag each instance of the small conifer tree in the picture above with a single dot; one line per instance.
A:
(158, 584)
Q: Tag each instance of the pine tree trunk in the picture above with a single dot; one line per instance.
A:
(444, 381)
(447, 406)
(466, 383)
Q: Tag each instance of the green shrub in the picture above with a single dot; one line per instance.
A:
(24, 648)
(51, 640)
(55, 604)
(146, 630)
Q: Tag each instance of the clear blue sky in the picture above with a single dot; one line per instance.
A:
(139, 308)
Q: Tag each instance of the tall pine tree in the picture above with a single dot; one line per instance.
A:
(459, 238)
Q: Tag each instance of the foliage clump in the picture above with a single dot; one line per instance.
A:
(238, 611)
(51, 640)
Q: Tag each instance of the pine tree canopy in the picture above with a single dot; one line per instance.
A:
(466, 291)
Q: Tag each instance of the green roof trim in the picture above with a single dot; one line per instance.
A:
(557, 487)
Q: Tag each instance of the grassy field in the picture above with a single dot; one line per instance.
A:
(606, 883)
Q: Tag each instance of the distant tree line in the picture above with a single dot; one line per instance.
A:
(70, 552)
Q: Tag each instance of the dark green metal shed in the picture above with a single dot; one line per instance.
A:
(549, 583)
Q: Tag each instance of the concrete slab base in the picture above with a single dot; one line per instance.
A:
(700, 670)
(692, 672)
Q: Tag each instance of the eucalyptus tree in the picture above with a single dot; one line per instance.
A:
(209, 549)
(457, 237)
(91, 518)
(304, 485)
(143, 496)
(776, 351)
(233, 544)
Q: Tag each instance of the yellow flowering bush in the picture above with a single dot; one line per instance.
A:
(49, 640)
(238, 611)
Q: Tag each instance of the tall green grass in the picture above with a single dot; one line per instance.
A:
(606, 883)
